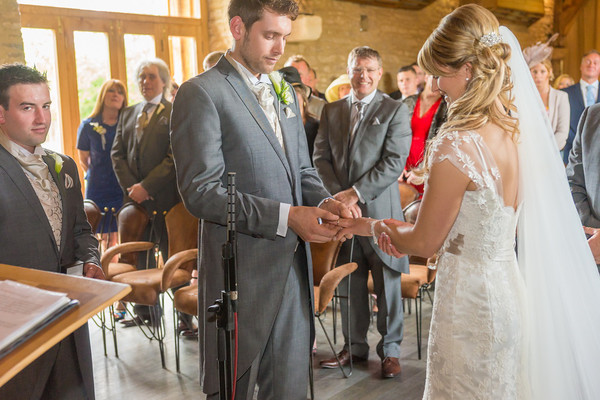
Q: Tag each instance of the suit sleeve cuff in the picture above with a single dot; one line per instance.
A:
(360, 198)
(284, 212)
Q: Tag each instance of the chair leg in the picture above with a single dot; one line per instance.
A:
(113, 328)
(176, 333)
(335, 302)
(419, 319)
(333, 349)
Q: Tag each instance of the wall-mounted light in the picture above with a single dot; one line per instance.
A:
(364, 23)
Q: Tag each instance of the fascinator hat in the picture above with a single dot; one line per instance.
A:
(539, 52)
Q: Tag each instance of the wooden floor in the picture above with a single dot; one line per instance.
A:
(137, 373)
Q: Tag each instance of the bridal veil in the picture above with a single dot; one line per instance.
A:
(563, 284)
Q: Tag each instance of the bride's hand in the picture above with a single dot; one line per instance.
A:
(354, 226)
(385, 244)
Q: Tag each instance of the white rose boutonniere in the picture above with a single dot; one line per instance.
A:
(282, 88)
(58, 162)
(101, 131)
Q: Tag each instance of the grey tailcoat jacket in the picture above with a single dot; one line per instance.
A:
(374, 161)
(583, 170)
(26, 238)
(218, 127)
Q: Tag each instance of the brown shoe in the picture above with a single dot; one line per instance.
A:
(390, 367)
(344, 357)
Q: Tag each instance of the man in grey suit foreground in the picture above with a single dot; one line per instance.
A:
(360, 151)
(583, 173)
(219, 126)
(42, 226)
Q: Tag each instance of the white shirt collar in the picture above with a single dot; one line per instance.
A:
(584, 84)
(156, 100)
(15, 148)
(264, 78)
(367, 99)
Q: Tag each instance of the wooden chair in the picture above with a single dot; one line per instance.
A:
(327, 286)
(408, 193)
(148, 285)
(185, 300)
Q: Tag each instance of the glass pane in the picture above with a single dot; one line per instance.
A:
(40, 52)
(137, 49)
(93, 68)
(183, 58)
(151, 7)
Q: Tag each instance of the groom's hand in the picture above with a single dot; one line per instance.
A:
(350, 198)
(305, 222)
(336, 207)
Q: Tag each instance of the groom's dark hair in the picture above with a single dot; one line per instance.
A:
(251, 11)
(14, 74)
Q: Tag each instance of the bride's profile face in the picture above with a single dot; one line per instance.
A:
(453, 84)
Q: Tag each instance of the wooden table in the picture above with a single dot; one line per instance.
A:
(93, 295)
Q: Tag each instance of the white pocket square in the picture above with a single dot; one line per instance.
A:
(289, 113)
(376, 121)
(68, 181)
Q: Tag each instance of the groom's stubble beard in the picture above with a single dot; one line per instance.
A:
(253, 65)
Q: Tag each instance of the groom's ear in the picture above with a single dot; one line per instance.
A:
(237, 27)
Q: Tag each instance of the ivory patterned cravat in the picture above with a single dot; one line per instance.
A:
(357, 115)
(589, 95)
(265, 98)
(43, 184)
(142, 121)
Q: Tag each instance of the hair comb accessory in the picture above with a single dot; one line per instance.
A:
(490, 39)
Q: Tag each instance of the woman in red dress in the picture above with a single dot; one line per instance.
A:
(428, 111)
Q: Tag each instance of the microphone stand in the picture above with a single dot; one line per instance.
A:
(225, 308)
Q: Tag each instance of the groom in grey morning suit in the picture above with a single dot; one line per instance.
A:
(219, 126)
(360, 151)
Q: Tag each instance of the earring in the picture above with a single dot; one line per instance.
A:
(467, 79)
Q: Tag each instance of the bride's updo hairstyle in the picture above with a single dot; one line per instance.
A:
(470, 35)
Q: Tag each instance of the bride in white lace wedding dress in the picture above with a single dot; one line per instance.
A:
(503, 327)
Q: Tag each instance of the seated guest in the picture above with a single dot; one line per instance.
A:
(407, 83)
(311, 124)
(563, 81)
(556, 101)
(43, 227)
(427, 112)
(338, 89)
(95, 138)
(315, 104)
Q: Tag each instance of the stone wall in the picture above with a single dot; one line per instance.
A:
(397, 34)
(11, 42)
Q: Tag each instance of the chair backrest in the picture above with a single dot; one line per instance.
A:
(132, 220)
(324, 257)
(411, 211)
(330, 281)
(93, 213)
(182, 231)
(408, 193)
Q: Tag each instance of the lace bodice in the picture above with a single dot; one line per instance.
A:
(485, 227)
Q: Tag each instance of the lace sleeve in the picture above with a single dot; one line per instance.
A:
(469, 154)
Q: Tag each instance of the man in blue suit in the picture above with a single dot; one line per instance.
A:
(582, 94)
